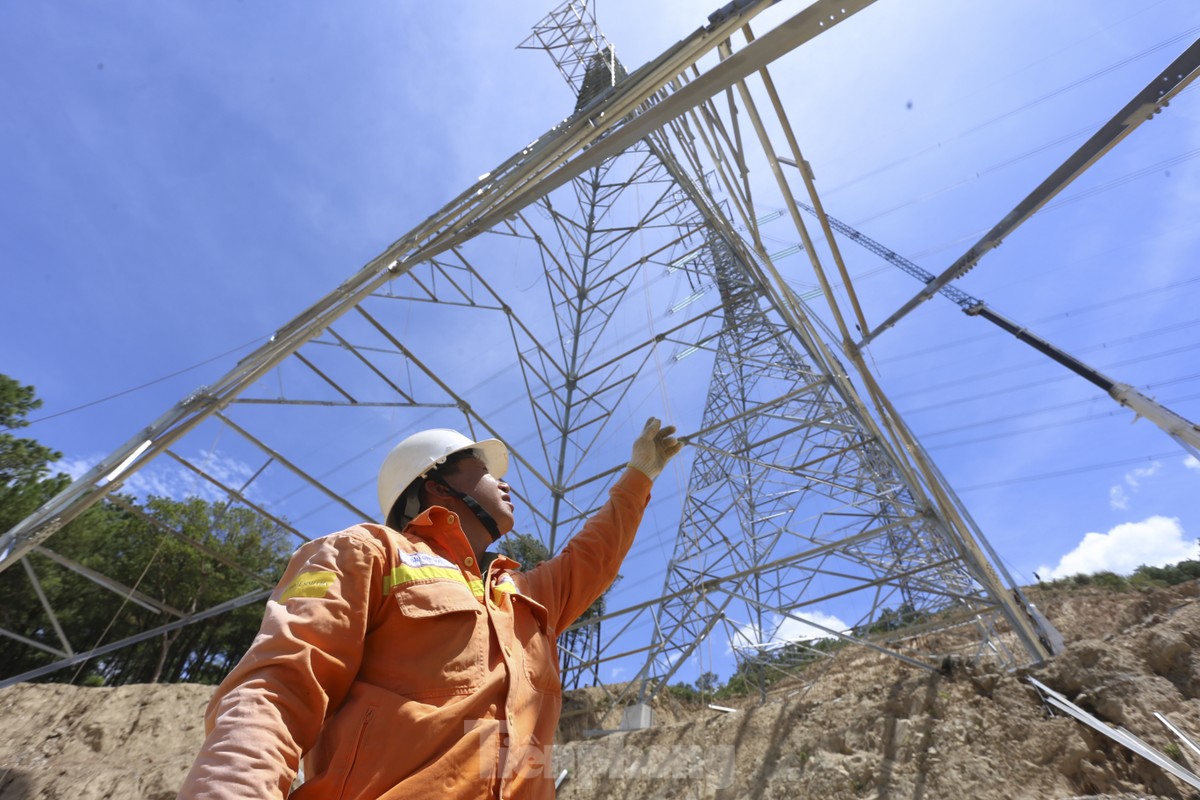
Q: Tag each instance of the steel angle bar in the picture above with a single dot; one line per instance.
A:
(1144, 105)
(1179, 428)
(751, 412)
(819, 17)
(114, 586)
(435, 301)
(841, 635)
(550, 155)
(613, 657)
(236, 495)
(862, 582)
(1121, 737)
(435, 235)
(101, 479)
(798, 161)
(718, 581)
(461, 402)
(78, 658)
(367, 362)
(265, 401)
(943, 623)
(718, 156)
(1180, 735)
(316, 484)
(45, 648)
(325, 377)
(683, 653)
(41, 596)
(786, 192)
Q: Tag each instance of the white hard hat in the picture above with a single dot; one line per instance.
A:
(421, 452)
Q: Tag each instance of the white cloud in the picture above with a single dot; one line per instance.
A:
(1191, 462)
(790, 630)
(76, 468)
(746, 636)
(1135, 476)
(1117, 499)
(166, 478)
(1155, 541)
(1118, 496)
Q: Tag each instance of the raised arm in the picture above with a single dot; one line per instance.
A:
(571, 581)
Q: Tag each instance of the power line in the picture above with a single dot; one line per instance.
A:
(1011, 112)
(1049, 425)
(972, 379)
(1070, 471)
(1031, 384)
(1048, 409)
(140, 386)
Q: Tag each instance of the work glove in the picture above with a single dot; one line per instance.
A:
(654, 447)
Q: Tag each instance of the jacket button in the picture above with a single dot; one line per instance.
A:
(468, 561)
(452, 519)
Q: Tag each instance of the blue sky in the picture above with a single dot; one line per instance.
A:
(183, 178)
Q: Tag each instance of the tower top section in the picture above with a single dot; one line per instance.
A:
(583, 55)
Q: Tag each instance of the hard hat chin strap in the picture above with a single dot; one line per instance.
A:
(485, 519)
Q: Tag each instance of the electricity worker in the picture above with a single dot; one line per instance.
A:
(403, 660)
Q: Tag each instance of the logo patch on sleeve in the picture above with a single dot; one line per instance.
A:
(309, 584)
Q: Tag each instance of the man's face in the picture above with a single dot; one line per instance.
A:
(471, 477)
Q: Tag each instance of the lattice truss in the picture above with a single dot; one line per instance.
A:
(610, 268)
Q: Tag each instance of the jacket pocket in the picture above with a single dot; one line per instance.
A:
(352, 757)
(436, 645)
(531, 623)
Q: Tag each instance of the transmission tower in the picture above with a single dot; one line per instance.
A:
(795, 507)
(617, 252)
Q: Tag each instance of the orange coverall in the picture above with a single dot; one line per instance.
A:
(398, 669)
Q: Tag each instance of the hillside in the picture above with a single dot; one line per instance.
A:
(870, 728)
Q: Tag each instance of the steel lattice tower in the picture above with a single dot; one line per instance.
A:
(620, 248)
(794, 500)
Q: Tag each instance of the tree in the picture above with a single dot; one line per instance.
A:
(24, 463)
(524, 549)
(184, 554)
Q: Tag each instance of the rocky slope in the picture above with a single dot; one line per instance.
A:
(870, 728)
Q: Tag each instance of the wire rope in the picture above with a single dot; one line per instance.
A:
(1065, 472)
(1048, 409)
(1032, 384)
(1023, 365)
(1009, 113)
(140, 386)
(1048, 426)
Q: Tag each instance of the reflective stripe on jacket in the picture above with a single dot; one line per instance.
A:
(401, 670)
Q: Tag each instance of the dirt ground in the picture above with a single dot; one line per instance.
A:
(870, 728)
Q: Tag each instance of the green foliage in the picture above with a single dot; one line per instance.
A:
(889, 620)
(1110, 580)
(186, 555)
(1169, 575)
(708, 682)
(152, 548)
(526, 550)
(23, 462)
(685, 692)
(1144, 577)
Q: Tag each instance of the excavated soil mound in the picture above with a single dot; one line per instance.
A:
(869, 728)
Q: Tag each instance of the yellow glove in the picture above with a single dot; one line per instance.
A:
(654, 447)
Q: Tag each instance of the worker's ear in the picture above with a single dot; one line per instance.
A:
(436, 491)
